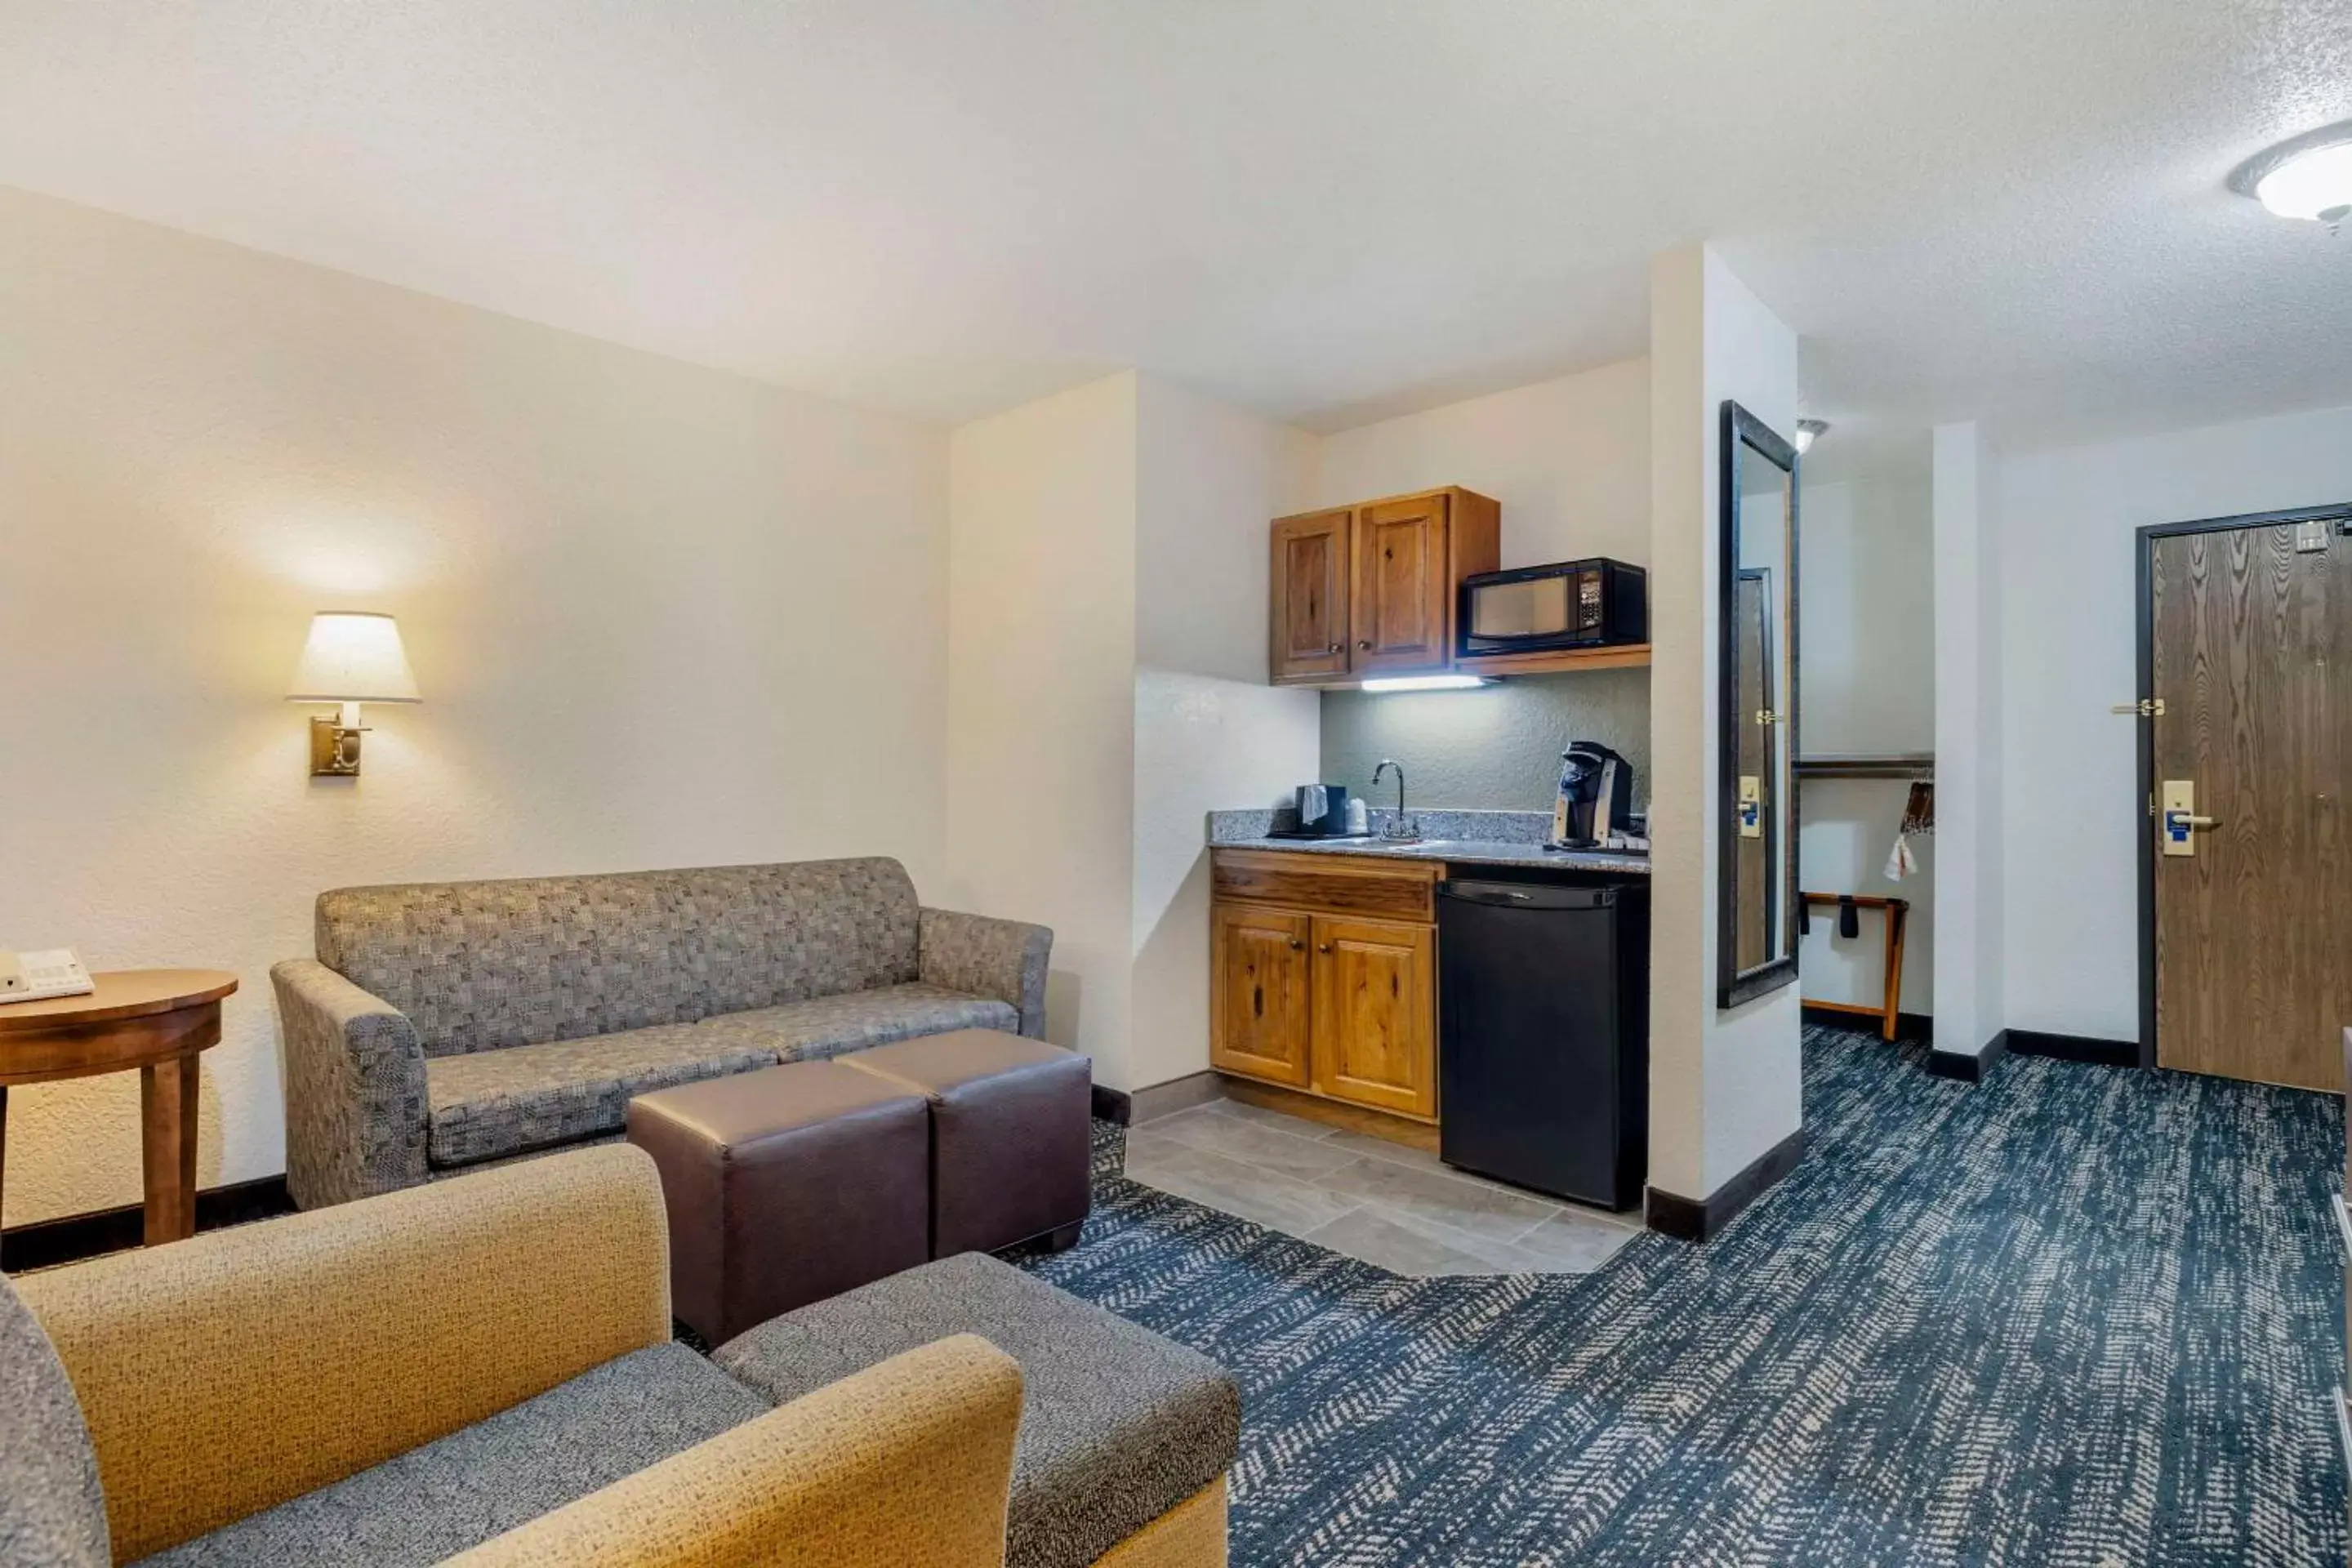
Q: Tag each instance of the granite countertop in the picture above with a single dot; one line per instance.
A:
(1456, 838)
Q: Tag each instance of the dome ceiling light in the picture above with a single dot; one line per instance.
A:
(2307, 177)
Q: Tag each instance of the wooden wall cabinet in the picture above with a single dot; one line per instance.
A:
(1373, 589)
(1323, 977)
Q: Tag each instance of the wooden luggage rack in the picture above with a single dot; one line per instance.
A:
(1898, 915)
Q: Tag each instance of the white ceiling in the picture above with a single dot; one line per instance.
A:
(1324, 209)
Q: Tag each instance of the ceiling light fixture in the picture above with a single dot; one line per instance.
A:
(2308, 176)
(1809, 428)
(1425, 683)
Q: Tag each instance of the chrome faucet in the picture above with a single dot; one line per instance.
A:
(1403, 830)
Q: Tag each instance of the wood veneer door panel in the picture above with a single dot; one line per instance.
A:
(1375, 1014)
(1403, 586)
(2252, 647)
(1310, 580)
(1260, 993)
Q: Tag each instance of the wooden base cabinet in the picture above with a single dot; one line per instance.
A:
(1316, 994)
(1375, 1027)
(1259, 1009)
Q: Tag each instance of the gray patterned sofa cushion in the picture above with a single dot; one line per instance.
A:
(484, 965)
(486, 1104)
(52, 1511)
(1118, 1424)
(474, 1484)
(759, 936)
(828, 1025)
(480, 966)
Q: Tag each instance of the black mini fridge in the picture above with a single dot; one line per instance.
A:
(1543, 1041)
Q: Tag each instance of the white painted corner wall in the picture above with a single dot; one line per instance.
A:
(1107, 658)
(1039, 797)
(1970, 896)
(1724, 1087)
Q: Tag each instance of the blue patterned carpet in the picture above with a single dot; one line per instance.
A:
(2074, 1315)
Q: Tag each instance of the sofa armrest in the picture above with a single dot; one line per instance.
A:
(355, 1102)
(905, 1464)
(231, 1372)
(1003, 959)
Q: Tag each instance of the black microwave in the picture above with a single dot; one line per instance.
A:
(1569, 604)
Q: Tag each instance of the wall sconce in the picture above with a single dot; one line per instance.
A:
(350, 657)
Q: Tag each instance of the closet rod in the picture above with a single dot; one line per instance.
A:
(1890, 765)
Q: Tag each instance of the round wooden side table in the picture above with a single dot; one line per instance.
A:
(157, 1020)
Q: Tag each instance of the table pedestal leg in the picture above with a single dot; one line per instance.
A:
(167, 1111)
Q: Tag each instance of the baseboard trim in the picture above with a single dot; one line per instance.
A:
(2091, 1048)
(1113, 1105)
(45, 1244)
(1699, 1220)
(1177, 1094)
(1919, 1028)
(1969, 1066)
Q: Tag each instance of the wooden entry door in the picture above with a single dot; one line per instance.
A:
(2250, 654)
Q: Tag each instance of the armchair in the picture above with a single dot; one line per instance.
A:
(228, 1383)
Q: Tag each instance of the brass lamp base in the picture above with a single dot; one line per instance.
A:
(334, 749)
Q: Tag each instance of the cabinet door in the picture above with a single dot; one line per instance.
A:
(1310, 597)
(1376, 1015)
(1258, 994)
(1398, 606)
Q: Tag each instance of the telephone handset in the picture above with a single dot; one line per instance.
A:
(34, 976)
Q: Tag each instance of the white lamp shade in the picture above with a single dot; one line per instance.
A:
(353, 656)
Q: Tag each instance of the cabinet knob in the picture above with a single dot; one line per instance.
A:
(1322, 947)
(1296, 944)
(1364, 643)
(1335, 647)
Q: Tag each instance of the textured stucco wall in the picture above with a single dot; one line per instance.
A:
(626, 585)
(1494, 748)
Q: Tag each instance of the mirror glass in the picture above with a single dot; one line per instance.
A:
(1759, 948)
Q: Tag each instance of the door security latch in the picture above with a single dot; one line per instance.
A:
(2146, 707)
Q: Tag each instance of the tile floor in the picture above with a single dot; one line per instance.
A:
(1391, 1207)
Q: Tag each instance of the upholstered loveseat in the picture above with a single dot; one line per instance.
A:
(445, 1025)
(480, 1372)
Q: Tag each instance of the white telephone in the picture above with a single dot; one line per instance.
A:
(32, 976)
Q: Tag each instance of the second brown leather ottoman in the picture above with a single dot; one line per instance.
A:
(784, 1186)
(1011, 1134)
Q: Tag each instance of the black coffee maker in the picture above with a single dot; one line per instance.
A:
(1596, 796)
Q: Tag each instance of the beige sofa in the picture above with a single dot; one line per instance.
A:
(481, 1371)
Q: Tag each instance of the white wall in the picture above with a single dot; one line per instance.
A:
(1039, 803)
(2066, 519)
(1867, 684)
(1568, 460)
(1108, 646)
(1724, 1087)
(1971, 900)
(1209, 733)
(661, 615)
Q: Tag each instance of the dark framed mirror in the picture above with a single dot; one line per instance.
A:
(1756, 949)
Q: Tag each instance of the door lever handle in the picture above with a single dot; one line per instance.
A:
(2190, 819)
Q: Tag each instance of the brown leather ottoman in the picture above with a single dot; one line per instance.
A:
(784, 1186)
(1011, 1126)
